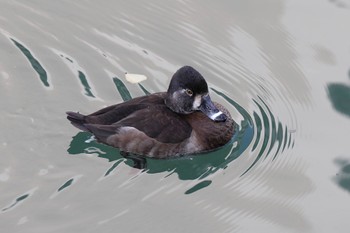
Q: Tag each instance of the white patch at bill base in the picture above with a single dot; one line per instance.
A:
(197, 102)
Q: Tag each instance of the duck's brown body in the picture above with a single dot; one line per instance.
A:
(146, 126)
(181, 121)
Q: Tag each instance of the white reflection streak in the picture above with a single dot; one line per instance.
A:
(199, 202)
(5, 176)
(92, 149)
(75, 68)
(37, 27)
(153, 193)
(221, 212)
(234, 145)
(174, 189)
(114, 217)
(33, 10)
(226, 216)
(111, 58)
(22, 220)
(128, 182)
(136, 48)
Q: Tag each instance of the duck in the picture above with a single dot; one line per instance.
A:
(181, 121)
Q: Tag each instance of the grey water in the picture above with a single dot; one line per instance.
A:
(282, 68)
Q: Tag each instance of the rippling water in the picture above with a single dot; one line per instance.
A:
(280, 67)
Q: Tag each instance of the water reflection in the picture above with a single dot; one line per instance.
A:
(340, 3)
(270, 132)
(343, 176)
(34, 62)
(124, 92)
(75, 68)
(19, 200)
(339, 94)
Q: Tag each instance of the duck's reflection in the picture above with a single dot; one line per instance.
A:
(342, 178)
(339, 94)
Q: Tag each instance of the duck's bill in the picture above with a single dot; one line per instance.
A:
(209, 109)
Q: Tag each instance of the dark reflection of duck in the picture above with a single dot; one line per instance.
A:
(181, 121)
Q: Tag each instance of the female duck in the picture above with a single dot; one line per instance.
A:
(181, 121)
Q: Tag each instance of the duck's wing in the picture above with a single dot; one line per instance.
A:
(117, 112)
(114, 113)
(156, 121)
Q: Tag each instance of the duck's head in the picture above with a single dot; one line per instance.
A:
(188, 92)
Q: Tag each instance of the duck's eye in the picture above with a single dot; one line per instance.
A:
(189, 92)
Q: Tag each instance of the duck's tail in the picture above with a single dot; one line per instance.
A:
(77, 119)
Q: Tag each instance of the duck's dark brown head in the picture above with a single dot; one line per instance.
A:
(188, 92)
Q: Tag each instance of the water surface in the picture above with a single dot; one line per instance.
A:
(280, 67)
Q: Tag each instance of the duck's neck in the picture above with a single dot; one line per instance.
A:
(172, 104)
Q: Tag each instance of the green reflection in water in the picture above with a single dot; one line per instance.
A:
(273, 128)
(258, 130)
(289, 140)
(144, 89)
(285, 138)
(279, 139)
(34, 62)
(79, 145)
(266, 135)
(82, 78)
(339, 94)
(273, 133)
(276, 133)
(113, 167)
(65, 185)
(199, 186)
(342, 178)
(17, 201)
(85, 83)
(123, 91)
